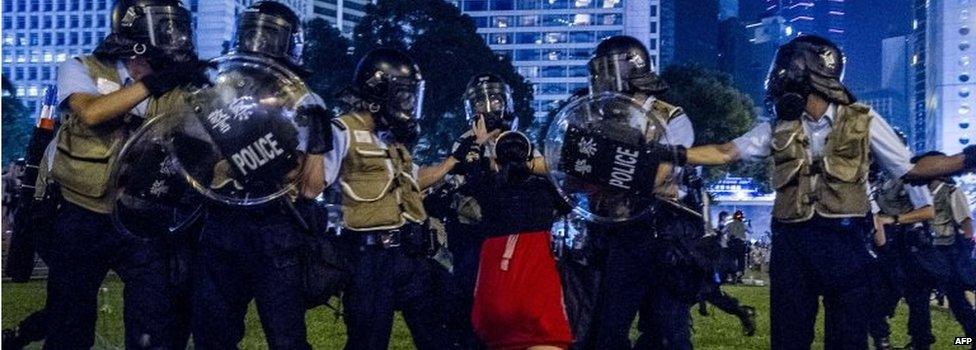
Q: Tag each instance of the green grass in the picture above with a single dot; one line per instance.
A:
(326, 331)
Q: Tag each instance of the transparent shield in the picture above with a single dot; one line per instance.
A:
(595, 151)
(152, 198)
(237, 143)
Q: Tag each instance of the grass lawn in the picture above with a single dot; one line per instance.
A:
(326, 330)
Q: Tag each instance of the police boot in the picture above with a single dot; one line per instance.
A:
(883, 344)
(748, 319)
(12, 340)
(702, 309)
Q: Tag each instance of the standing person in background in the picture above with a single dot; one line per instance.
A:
(898, 229)
(736, 233)
(953, 241)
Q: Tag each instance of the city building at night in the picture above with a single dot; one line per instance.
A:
(949, 81)
(344, 12)
(39, 35)
(550, 41)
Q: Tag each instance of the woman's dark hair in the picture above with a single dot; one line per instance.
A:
(513, 150)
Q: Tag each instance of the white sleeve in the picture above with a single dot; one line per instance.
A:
(679, 131)
(333, 158)
(756, 144)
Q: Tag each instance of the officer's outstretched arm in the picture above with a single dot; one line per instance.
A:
(934, 166)
(430, 175)
(915, 216)
(713, 154)
(93, 109)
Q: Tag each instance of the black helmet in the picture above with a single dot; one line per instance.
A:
(489, 96)
(807, 64)
(622, 64)
(272, 29)
(390, 86)
(156, 27)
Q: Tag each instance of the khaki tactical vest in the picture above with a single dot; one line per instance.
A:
(944, 226)
(892, 198)
(379, 191)
(86, 155)
(830, 187)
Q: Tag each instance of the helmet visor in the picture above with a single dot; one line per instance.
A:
(270, 36)
(487, 99)
(169, 29)
(406, 99)
(610, 73)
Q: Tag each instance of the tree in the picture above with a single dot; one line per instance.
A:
(327, 54)
(449, 51)
(719, 113)
(17, 124)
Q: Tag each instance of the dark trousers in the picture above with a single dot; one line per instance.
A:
(581, 286)
(714, 295)
(887, 281)
(464, 242)
(962, 310)
(85, 246)
(385, 280)
(819, 258)
(243, 257)
(643, 273)
(959, 255)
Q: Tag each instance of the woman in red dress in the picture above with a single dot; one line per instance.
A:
(518, 302)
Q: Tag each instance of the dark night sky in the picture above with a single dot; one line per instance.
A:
(869, 22)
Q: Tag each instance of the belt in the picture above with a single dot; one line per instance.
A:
(383, 238)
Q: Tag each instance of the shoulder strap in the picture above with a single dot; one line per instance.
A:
(665, 111)
(100, 69)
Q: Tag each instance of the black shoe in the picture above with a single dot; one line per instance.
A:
(11, 341)
(748, 320)
(883, 344)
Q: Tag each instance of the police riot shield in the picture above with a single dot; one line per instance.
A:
(596, 151)
(152, 199)
(238, 141)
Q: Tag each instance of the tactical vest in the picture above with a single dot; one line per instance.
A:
(86, 155)
(379, 191)
(944, 226)
(892, 198)
(833, 186)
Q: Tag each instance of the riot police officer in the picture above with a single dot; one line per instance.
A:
(821, 192)
(900, 237)
(256, 252)
(636, 275)
(952, 241)
(136, 73)
(372, 166)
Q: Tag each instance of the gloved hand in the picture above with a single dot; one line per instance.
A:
(317, 119)
(970, 162)
(160, 82)
(466, 146)
(678, 155)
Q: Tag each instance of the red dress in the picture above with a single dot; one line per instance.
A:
(518, 300)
